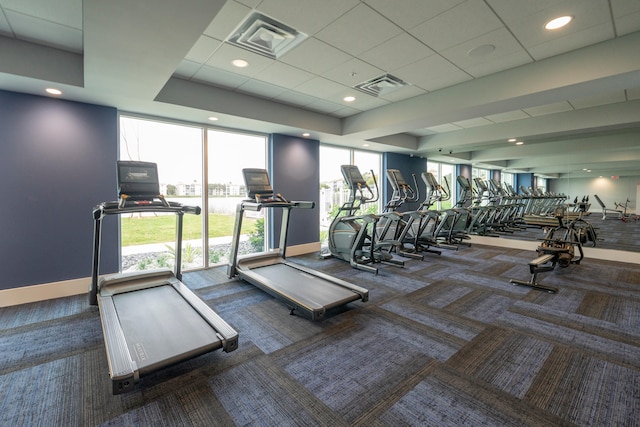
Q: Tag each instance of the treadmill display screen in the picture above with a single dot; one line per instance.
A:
(352, 175)
(138, 178)
(257, 182)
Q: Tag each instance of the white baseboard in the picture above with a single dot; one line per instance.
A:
(45, 291)
(595, 253)
(66, 288)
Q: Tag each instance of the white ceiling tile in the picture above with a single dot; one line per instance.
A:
(345, 112)
(508, 116)
(296, 98)
(457, 25)
(249, 3)
(259, 88)
(472, 123)
(499, 64)
(45, 32)
(226, 53)
(315, 56)
(229, 17)
(594, 101)
(324, 106)
(501, 39)
(404, 92)
(421, 10)
(571, 41)
(626, 14)
(324, 89)
(64, 12)
(365, 102)
(5, 29)
(633, 94)
(542, 110)
(203, 49)
(187, 69)
(219, 77)
(352, 72)
(284, 75)
(358, 30)
(307, 16)
(396, 52)
(443, 128)
(526, 19)
(431, 73)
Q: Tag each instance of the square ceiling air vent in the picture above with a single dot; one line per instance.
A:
(381, 85)
(265, 36)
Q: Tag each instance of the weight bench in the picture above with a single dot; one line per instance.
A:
(605, 209)
(537, 266)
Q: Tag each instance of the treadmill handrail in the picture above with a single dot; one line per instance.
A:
(250, 205)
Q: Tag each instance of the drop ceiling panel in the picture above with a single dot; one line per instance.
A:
(315, 56)
(471, 123)
(501, 39)
(226, 53)
(404, 92)
(284, 75)
(187, 69)
(499, 64)
(358, 30)
(64, 12)
(296, 98)
(4, 26)
(353, 72)
(231, 14)
(508, 116)
(324, 106)
(526, 19)
(627, 16)
(542, 110)
(45, 32)
(633, 93)
(203, 49)
(457, 25)
(307, 16)
(396, 52)
(421, 10)
(219, 77)
(594, 101)
(262, 89)
(572, 41)
(431, 73)
(320, 87)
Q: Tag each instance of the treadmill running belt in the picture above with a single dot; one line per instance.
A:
(161, 328)
(303, 286)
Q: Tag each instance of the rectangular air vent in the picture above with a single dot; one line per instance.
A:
(381, 85)
(265, 36)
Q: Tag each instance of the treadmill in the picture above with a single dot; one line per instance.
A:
(303, 290)
(150, 319)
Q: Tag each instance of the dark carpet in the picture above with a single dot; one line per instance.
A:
(447, 341)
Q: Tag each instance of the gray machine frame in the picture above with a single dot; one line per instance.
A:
(150, 319)
(302, 289)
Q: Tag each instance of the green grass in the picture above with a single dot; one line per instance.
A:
(161, 229)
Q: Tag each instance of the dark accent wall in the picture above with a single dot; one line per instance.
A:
(295, 173)
(407, 165)
(57, 160)
(525, 179)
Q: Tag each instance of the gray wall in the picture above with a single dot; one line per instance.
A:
(57, 160)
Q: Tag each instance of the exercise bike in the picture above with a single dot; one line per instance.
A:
(558, 248)
(352, 237)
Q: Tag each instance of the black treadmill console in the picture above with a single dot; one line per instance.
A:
(259, 187)
(352, 175)
(138, 180)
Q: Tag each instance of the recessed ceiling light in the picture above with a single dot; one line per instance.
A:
(511, 140)
(519, 143)
(349, 98)
(306, 134)
(559, 22)
(53, 91)
(213, 119)
(365, 145)
(240, 63)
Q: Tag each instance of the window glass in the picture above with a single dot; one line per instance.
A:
(148, 239)
(228, 154)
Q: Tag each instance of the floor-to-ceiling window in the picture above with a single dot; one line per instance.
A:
(228, 153)
(147, 240)
(333, 192)
(443, 172)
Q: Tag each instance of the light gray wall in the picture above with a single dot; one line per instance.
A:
(609, 190)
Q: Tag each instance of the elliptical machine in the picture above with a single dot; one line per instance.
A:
(558, 247)
(353, 237)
